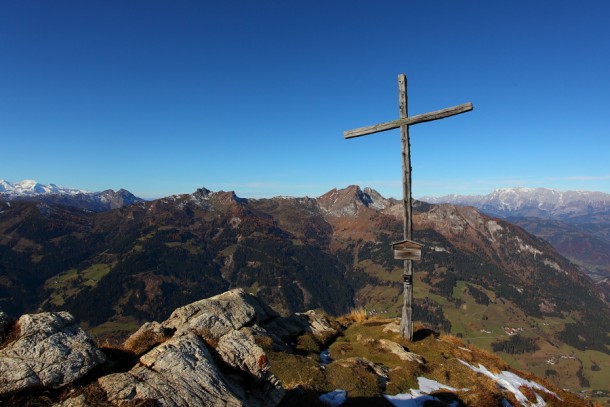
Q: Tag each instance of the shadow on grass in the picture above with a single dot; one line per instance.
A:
(423, 333)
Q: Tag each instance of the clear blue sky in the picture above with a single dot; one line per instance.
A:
(163, 97)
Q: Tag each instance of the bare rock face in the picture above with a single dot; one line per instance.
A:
(318, 324)
(392, 347)
(210, 352)
(239, 351)
(400, 351)
(216, 316)
(296, 324)
(50, 350)
(179, 372)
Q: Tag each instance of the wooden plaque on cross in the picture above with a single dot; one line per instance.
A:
(406, 322)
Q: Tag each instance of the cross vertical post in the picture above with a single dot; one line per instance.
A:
(406, 322)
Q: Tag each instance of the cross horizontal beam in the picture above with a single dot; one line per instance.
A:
(420, 118)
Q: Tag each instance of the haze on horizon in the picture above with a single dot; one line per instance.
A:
(162, 99)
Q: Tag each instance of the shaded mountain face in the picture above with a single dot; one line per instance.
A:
(116, 268)
(32, 191)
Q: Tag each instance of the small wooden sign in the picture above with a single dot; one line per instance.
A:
(407, 250)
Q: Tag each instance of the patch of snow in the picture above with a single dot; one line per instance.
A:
(335, 398)
(407, 400)
(429, 385)
(554, 265)
(440, 249)
(466, 349)
(511, 382)
(418, 397)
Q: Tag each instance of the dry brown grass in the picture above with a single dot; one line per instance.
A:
(265, 342)
(357, 315)
(295, 371)
(142, 343)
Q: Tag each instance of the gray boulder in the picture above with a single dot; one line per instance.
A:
(216, 316)
(179, 372)
(50, 350)
(299, 323)
(238, 350)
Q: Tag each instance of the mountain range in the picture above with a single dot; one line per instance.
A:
(481, 278)
(30, 190)
(576, 223)
(533, 202)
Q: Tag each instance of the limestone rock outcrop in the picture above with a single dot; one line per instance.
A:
(179, 372)
(180, 369)
(210, 352)
(49, 350)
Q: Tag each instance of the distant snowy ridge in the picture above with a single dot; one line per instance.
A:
(531, 202)
(30, 187)
(30, 190)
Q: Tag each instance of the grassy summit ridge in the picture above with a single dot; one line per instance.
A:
(370, 360)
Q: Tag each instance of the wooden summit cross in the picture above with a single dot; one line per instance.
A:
(406, 323)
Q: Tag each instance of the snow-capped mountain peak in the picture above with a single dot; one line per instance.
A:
(522, 201)
(29, 187)
(30, 190)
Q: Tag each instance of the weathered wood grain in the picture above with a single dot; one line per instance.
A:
(420, 118)
(406, 323)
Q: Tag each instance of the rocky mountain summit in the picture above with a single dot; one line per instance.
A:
(233, 350)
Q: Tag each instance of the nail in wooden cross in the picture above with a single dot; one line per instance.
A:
(406, 322)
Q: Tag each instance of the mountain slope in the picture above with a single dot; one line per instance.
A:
(576, 223)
